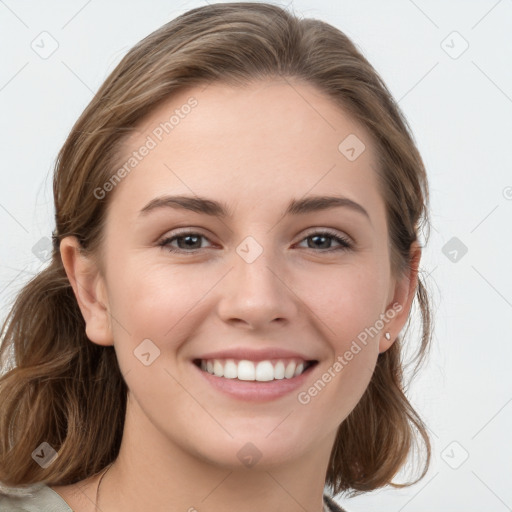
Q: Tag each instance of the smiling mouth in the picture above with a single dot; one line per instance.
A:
(256, 371)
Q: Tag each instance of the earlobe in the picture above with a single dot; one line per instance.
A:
(89, 288)
(385, 343)
(400, 306)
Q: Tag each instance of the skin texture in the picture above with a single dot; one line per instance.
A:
(254, 148)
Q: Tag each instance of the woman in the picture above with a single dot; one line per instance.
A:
(235, 256)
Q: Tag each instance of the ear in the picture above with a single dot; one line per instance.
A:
(403, 292)
(90, 291)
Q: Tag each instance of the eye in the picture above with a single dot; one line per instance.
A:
(190, 242)
(185, 240)
(322, 239)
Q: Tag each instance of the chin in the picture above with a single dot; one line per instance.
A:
(254, 449)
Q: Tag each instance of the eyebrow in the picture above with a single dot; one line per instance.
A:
(217, 209)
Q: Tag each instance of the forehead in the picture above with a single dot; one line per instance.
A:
(269, 140)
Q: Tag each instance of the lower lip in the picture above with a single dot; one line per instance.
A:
(254, 391)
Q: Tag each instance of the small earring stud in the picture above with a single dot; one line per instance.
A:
(387, 335)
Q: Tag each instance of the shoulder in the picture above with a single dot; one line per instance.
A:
(38, 499)
(331, 505)
(44, 499)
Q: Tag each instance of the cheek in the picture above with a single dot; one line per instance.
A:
(154, 298)
(155, 309)
(346, 301)
(347, 306)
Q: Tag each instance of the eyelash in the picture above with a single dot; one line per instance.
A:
(345, 244)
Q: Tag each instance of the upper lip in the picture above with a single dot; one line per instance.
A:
(251, 354)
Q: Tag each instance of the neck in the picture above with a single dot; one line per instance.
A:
(146, 476)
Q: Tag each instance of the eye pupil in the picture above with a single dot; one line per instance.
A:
(188, 237)
(316, 237)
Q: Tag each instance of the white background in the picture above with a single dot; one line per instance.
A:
(460, 111)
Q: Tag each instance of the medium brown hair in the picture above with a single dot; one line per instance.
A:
(68, 391)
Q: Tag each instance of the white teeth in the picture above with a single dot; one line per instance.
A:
(262, 371)
(279, 370)
(290, 370)
(246, 370)
(218, 369)
(299, 370)
(230, 369)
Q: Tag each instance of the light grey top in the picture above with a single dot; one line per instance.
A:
(45, 499)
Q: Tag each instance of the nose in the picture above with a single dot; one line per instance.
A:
(256, 295)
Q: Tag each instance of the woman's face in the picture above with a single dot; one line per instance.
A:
(260, 281)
